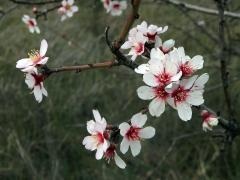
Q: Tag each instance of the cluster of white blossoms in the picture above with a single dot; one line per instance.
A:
(169, 73)
(100, 137)
(34, 79)
(66, 10)
(114, 7)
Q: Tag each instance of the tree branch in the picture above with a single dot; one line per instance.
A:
(201, 9)
(24, 2)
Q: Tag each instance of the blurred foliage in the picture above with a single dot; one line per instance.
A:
(43, 141)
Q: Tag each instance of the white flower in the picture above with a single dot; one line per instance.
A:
(116, 7)
(112, 154)
(161, 71)
(209, 120)
(31, 24)
(152, 31)
(136, 41)
(134, 133)
(36, 58)
(106, 4)
(68, 9)
(186, 93)
(187, 65)
(35, 82)
(165, 46)
(97, 140)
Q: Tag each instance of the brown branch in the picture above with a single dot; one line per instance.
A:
(133, 15)
(46, 11)
(22, 2)
(223, 57)
(79, 68)
(202, 9)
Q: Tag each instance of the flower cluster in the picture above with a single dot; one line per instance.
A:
(143, 37)
(101, 138)
(114, 7)
(34, 79)
(66, 10)
(169, 73)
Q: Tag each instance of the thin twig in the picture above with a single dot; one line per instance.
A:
(26, 2)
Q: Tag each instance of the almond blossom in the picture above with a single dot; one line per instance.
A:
(151, 31)
(134, 132)
(106, 4)
(34, 80)
(136, 42)
(98, 138)
(186, 64)
(116, 7)
(186, 93)
(209, 120)
(112, 154)
(31, 24)
(68, 9)
(36, 58)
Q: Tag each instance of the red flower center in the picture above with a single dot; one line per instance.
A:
(180, 94)
(164, 50)
(110, 152)
(160, 92)
(186, 69)
(31, 23)
(151, 37)
(116, 6)
(38, 79)
(163, 78)
(133, 133)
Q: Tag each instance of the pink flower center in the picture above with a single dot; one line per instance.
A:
(100, 138)
(107, 2)
(133, 133)
(139, 48)
(31, 23)
(180, 94)
(110, 152)
(38, 79)
(206, 116)
(151, 36)
(186, 69)
(160, 92)
(163, 78)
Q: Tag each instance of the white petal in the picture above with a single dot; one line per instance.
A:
(150, 80)
(23, 63)
(99, 153)
(142, 69)
(43, 47)
(201, 81)
(44, 91)
(168, 44)
(135, 147)
(97, 115)
(90, 126)
(138, 120)
(156, 107)
(30, 81)
(124, 146)
(38, 93)
(119, 162)
(176, 77)
(157, 54)
(156, 68)
(184, 111)
(43, 61)
(171, 68)
(145, 93)
(195, 98)
(197, 62)
(37, 29)
(124, 127)
(188, 83)
(74, 8)
(147, 132)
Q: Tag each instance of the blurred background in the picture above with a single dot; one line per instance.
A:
(44, 141)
